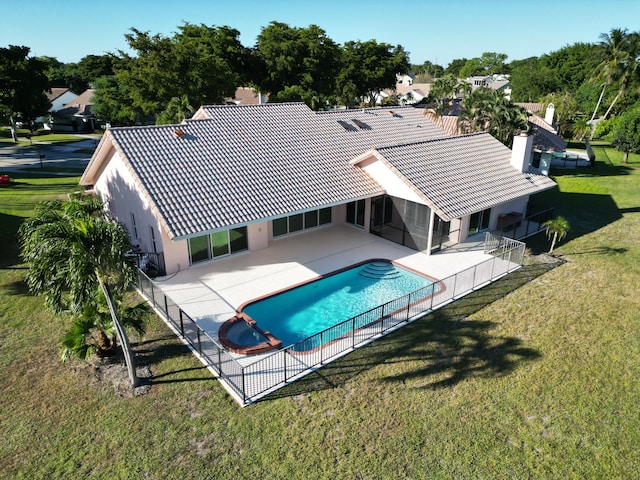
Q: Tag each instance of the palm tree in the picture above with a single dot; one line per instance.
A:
(93, 330)
(485, 110)
(614, 47)
(630, 66)
(73, 250)
(557, 229)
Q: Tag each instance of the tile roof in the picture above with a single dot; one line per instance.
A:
(249, 163)
(56, 92)
(80, 106)
(531, 107)
(458, 176)
(237, 165)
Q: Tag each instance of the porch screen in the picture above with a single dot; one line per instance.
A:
(400, 221)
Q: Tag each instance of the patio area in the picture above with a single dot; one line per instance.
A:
(197, 301)
(210, 293)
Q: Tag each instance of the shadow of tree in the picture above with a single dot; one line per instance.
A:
(445, 343)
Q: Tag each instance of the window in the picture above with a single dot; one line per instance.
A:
(152, 237)
(479, 222)
(134, 229)
(301, 221)
(355, 213)
(537, 156)
(218, 244)
(199, 249)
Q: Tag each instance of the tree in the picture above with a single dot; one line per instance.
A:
(23, 83)
(557, 228)
(566, 110)
(626, 133)
(298, 64)
(613, 51)
(426, 72)
(177, 111)
(455, 66)
(72, 251)
(112, 102)
(485, 110)
(531, 80)
(92, 331)
(368, 68)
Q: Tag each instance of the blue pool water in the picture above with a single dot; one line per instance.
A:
(303, 311)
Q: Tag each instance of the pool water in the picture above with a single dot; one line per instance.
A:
(303, 311)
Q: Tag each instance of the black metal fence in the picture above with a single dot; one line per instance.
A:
(249, 382)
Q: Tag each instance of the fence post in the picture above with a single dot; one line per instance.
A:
(166, 306)
(382, 319)
(153, 296)
(408, 307)
(285, 364)
(219, 360)
(353, 332)
(199, 344)
(244, 391)
(181, 324)
(473, 282)
(321, 348)
(455, 281)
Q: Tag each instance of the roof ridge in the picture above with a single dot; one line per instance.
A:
(434, 140)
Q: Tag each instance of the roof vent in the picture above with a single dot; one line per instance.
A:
(178, 133)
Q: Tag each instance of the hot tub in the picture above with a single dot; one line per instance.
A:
(241, 335)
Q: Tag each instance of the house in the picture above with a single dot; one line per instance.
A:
(412, 94)
(59, 97)
(247, 96)
(75, 116)
(547, 143)
(238, 178)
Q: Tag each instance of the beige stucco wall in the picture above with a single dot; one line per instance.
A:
(122, 197)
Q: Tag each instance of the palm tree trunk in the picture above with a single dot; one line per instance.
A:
(122, 334)
(599, 101)
(553, 242)
(611, 106)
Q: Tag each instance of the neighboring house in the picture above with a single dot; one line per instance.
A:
(75, 116)
(547, 143)
(247, 96)
(405, 79)
(59, 97)
(412, 94)
(544, 137)
(494, 82)
(239, 177)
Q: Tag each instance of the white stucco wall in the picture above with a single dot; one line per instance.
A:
(62, 100)
(389, 180)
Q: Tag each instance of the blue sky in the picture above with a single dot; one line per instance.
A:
(435, 30)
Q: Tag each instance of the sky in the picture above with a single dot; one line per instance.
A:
(434, 30)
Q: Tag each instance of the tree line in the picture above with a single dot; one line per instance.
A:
(166, 77)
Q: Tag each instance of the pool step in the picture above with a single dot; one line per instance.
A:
(380, 271)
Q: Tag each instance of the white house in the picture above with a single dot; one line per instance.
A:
(237, 178)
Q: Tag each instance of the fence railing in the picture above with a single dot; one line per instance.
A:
(251, 381)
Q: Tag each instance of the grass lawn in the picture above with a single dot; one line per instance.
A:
(535, 376)
(40, 137)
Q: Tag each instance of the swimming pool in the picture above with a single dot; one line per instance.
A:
(308, 309)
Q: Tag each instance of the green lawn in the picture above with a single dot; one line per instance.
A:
(535, 376)
(40, 137)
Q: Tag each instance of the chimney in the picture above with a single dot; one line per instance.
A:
(521, 152)
(548, 114)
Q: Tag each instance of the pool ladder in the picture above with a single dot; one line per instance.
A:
(380, 271)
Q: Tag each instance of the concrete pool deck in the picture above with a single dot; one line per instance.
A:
(211, 292)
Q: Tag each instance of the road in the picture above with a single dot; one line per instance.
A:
(15, 159)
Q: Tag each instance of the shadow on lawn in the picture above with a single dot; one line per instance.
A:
(445, 343)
